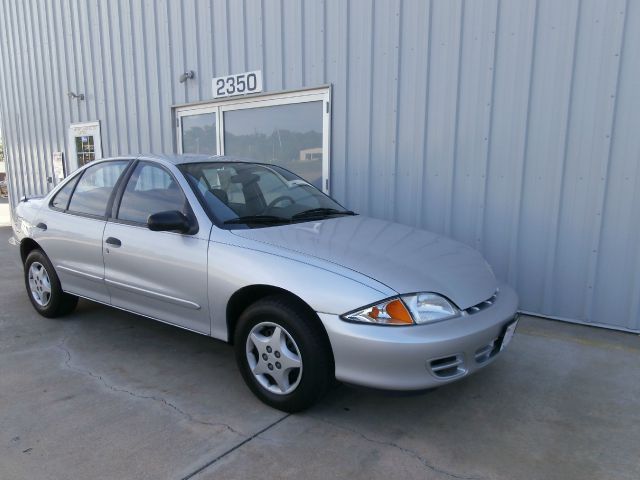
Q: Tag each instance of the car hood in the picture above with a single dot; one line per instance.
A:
(403, 258)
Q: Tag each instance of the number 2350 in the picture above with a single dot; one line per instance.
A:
(237, 84)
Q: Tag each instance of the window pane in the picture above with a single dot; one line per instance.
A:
(61, 200)
(199, 134)
(85, 149)
(151, 189)
(95, 186)
(285, 135)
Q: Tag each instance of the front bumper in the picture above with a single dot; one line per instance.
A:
(420, 356)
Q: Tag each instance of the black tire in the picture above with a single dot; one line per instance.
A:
(317, 372)
(59, 303)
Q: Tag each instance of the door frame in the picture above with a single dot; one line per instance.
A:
(218, 107)
(79, 129)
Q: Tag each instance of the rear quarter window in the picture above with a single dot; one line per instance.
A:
(61, 199)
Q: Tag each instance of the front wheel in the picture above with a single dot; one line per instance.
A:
(43, 287)
(283, 355)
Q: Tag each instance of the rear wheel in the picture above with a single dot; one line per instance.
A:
(43, 287)
(283, 354)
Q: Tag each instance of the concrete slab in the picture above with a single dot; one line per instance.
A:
(550, 409)
(106, 394)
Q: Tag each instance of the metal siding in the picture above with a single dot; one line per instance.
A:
(475, 93)
(616, 298)
(412, 92)
(544, 156)
(254, 24)
(511, 99)
(442, 115)
(507, 125)
(313, 27)
(361, 103)
(336, 68)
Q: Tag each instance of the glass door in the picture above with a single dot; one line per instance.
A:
(287, 129)
(286, 135)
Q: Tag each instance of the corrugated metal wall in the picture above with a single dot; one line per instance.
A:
(510, 125)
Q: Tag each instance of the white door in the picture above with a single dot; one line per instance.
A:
(85, 144)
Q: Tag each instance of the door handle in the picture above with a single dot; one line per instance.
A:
(114, 242)
(42, 226)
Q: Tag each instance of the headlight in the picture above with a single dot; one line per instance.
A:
(430, 307)
(419, 308)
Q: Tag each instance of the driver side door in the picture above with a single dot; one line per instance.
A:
(162, 275)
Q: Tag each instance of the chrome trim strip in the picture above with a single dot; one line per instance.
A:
(159, 296)
(143, 315)
(80, 274)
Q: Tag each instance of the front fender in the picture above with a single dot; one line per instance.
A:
(232, 267)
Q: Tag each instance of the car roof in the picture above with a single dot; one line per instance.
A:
(176, 159)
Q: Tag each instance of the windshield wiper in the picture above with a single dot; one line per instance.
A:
(257, 219)
(321, 212)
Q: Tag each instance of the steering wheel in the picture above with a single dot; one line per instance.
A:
(277, 200)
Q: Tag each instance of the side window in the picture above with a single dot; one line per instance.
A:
(95, 186)
(151, 189)
(61, 199)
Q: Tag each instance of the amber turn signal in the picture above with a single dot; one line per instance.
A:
(398, 312)
(388, 312)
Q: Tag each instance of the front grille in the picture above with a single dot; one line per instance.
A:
(482, 305)
(448, 367)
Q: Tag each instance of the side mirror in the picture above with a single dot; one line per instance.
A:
(171, 220)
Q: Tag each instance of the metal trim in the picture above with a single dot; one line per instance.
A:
(78, 273)
(158, 296)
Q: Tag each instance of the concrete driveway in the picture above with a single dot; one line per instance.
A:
(105, 394)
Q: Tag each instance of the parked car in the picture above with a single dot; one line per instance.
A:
(249, 253)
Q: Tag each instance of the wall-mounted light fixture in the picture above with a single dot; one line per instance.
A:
(188, 75)
(77, 96)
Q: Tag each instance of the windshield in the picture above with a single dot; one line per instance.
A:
(241, 195)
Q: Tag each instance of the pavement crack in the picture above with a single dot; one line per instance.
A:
(85, 371)
(234, 448)
(406, 451)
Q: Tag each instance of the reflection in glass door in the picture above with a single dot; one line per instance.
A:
(85, 150)
(199, 134)
(286, 135)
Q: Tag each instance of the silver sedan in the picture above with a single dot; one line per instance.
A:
(249, 253)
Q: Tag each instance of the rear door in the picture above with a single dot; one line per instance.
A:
(159, 274)
(74, 226)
